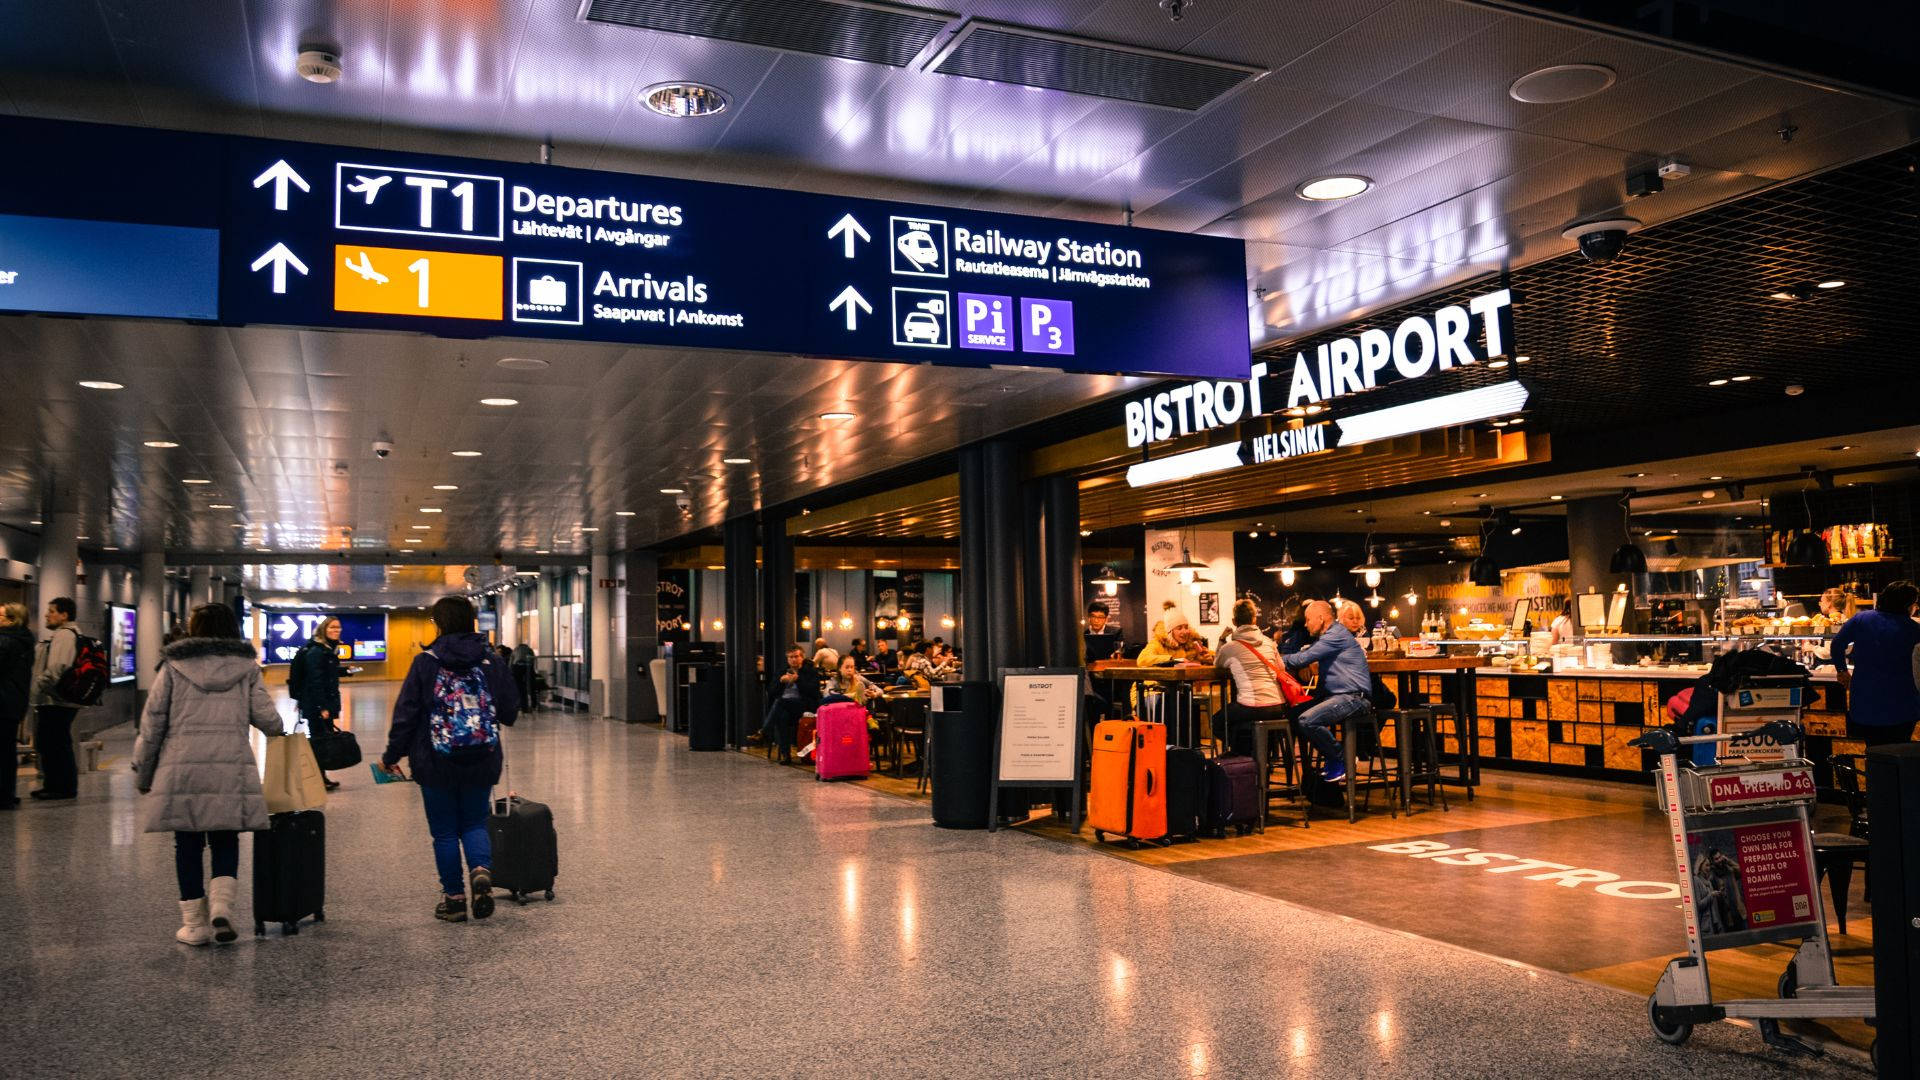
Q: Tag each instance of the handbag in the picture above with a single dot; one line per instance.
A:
(292, 780)
(1291, 691)
(335, 749)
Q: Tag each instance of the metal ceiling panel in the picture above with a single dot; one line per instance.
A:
(1024, 56)
(874, 33)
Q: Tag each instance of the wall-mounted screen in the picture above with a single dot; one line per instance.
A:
(282, 633)
(123, 632)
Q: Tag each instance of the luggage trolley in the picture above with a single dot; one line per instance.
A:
(1743, 848)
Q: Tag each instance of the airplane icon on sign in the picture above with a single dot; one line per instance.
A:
(366, 271)
(368, 185)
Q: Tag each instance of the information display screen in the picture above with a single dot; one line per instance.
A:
(283, 633)
(313, 235)
(123, 635)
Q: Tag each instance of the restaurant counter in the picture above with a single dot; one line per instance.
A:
(1581, 722)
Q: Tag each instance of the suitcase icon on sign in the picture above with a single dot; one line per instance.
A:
(546, 293)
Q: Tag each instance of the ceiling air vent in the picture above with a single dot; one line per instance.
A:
(1015, 54)
(876, 33)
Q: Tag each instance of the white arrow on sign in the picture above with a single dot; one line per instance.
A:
(281, 258)
(847, 229)
(280, 174)
(850, 299)
(286, 627)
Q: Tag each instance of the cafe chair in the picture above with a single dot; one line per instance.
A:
(1417, 737)
(909, 728)
(1834, 854)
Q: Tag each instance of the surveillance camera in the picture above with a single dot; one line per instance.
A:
(1601, 240)
(684, 502)
(382, 448)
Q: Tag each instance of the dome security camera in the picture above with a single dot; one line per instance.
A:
(382, 449)
(1601, 240)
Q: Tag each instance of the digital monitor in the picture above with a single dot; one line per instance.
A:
(362, 636)
(123, 632)
(1522, 611)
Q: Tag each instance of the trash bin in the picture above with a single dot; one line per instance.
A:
(963, 756)
(706, 690)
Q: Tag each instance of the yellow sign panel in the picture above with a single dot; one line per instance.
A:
(402, 281)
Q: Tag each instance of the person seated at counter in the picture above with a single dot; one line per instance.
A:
(858, 650)
(945, 664)
(916, 671)
(799, 695)
(1293, 635)
(1883, 702)
(847, 684)
(885, 660)
(1345, 679)
(1174, 642)
(1252, 660)
(1102, 638)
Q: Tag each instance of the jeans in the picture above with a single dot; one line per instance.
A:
(1315, 721)
(783, 718)
(186, 859)
(53, 741)
(457, 818)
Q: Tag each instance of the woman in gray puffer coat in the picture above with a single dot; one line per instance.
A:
(193, 758)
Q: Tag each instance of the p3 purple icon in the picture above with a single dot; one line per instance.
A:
(986, 322)
(1046, 326)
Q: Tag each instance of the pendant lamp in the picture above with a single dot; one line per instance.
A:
(1110, 581)
(1286, 567)
(1186, 567)
(1627, 558)
(1807, 549)
(1371, 570)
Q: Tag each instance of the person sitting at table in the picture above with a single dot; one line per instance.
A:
(847, 684)
(1174, 642)
(1293, 635)
(799, 695)
(1345, 679)
(1101, 639)
(827, 660)
(885, 660)
(859, 653)
(1253, 661)
(916, 671)
(945, 664)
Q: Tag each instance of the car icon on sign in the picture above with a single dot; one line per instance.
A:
(919, 249)
(920, 326)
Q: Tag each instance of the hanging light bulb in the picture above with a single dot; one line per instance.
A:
(1286, 567)
(1372, 578)
(806, 624)
(903, 622)
(1374, 598)
(1109, 581)
(1412, 598)
(946, 622)
(846, 620)
(1198, 579)
(1186, 568)
(1372, 570)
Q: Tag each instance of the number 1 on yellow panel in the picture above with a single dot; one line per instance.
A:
(446, 284)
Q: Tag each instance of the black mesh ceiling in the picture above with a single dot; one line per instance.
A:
(1690, 301)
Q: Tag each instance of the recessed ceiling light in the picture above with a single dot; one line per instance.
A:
(1829, 284)
(589, 528)
(1446, 524)
(1782, 295)
(108, 547)
(673, 491)
(623, 513)
(521, 363)
(37, 521)
(237, 524)
(1842, 446)
(685, 100)
(466, 453)
(1333, 188)
(836, 415)
(1517, 421)
(411, 540)
(1496, 365)
(543, 551)
(1716, 382)
(196, 480)
(1716, 478)
(420, 528)
(499, 402)
(160, 444)
(219, 506)
(446, 487)
(736, 461)
(101, 384)
(1635, 475)
(429, 509)
(1743, 378)
(1795, 389)
(1561, 83)
(1556, 498)
(1523, 359)
(83, 538)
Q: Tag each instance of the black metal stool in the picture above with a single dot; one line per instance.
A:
(1379, 773)
(1419, 744)
(1264, 732)
(1833, 857)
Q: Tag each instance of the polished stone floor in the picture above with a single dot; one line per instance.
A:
(721, 917)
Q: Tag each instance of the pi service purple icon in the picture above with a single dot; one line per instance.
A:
(1046, 326)
(986, 322)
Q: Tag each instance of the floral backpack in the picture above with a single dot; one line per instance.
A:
(463, 721)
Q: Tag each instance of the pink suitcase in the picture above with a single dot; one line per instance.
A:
(841, 742)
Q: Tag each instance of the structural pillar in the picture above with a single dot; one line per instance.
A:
(601, 659)
(199, 587)
(59, 558)
(776, 599)
(643, 635)
(1060, 570)
(1594, 531)
(742, 637)
(149, 621)
(992, 534)
(509, 615)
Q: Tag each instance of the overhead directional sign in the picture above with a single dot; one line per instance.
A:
(312, 235)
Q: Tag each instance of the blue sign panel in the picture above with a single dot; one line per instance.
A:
(325, 236)
(108, 268)
(362, 637)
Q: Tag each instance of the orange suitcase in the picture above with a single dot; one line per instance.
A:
(1126, 795)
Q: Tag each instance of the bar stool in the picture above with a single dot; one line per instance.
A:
(1264, 732)
(1420, 757)
(1379, 773)
(1833, 857)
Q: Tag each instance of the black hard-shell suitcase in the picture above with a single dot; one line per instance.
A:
(1186, 793)
(1233, 795)
(290, 871)
(526, 851)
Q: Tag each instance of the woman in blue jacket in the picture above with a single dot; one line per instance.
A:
(446, 723)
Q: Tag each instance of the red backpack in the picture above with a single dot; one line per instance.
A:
(86, 681)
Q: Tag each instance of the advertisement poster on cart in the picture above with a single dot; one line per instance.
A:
(1752, 883)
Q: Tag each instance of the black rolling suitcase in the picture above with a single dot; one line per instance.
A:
(1186, 793)
(290, 871)
(1233, 795)
(526, 851)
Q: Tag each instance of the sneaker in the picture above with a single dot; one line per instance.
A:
(452, 909)
(1334, 773)
(480, 888)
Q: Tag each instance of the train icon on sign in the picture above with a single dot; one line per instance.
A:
(919, 246)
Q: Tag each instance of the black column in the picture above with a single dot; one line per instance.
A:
(1060, 570)
(742, 633)
(972, 585)
(642, 571)
(992, 567)
(776, 593)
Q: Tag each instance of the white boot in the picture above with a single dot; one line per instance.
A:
(193, 923)
(220, 908)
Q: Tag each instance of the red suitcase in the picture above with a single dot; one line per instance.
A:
(841, 734)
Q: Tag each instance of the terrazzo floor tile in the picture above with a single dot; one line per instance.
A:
(719, 917)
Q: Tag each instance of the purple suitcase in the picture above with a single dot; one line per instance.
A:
(1233, 795)
(841, 742)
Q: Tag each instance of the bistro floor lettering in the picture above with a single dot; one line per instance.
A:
(1569, 877)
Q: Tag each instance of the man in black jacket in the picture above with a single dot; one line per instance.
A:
(446, 723)
(16, 678)
(799, 695)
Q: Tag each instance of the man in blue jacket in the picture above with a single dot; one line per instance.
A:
(1345, 681)
(446, 723)
(1883, 702)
